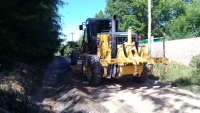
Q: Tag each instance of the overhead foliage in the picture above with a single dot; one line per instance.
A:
(187, 25)
(29, 29)
(100, 15)
(176, 18)
(66, 49)
(134, 13)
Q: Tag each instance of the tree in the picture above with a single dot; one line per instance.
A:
(100, 15)
(67, 49)
(134, 13)
(29, 30)
(187, 25)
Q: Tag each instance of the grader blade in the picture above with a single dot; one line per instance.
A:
(77, 69)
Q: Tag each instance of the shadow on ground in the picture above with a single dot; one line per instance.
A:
(159, 96)
(71, 93)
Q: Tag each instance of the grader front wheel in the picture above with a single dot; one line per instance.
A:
(94, 71)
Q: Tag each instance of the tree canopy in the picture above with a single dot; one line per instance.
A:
(29, 29)
(100, 14)
(187, 25)
(65, 50)
(168, 16)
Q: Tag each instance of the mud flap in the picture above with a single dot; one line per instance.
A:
(114, 71)
(109, 71)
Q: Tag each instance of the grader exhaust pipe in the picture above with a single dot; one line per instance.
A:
(114, 27)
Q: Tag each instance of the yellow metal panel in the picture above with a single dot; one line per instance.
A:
(151, 61)
(122, 61)
(161, 60)
(120, 51)
(104, 50)
(128, 70)
(143, 51)
(105, 72)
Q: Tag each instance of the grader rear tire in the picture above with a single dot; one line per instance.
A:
(95, 71)
(144, 76)
(74, 57)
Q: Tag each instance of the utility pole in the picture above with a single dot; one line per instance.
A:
(149, 27)
(72, 35)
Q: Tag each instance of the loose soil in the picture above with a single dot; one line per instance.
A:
(65, 92)
(61, 94)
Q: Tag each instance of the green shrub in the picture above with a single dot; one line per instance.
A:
(186, 77)
(175, 72)
(195, 63)
(62, 50)
(66, 50)
(193, 88)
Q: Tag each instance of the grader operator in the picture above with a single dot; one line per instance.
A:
(111, 54)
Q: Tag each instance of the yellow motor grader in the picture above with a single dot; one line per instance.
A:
(111, 54)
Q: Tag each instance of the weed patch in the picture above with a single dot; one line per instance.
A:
(17, 87)
(186, 77)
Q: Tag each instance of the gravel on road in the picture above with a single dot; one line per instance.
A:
(72, 94)
(59, 94)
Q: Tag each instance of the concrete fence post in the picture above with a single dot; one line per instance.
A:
(164, 48)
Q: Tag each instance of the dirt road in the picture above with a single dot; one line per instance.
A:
(125, 96)
(72, 94)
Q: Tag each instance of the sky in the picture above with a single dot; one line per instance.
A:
(76, 12)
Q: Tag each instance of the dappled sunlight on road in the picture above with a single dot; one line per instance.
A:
(149, 97)
(148, 100)
(74, 94)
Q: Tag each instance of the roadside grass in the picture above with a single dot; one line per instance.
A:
(179, 75)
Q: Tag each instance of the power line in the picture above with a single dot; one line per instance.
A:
(100, 7)
(94, 7)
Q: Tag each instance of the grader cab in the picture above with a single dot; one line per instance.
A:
(111, 54)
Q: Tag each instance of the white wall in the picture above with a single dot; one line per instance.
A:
(180, 50)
